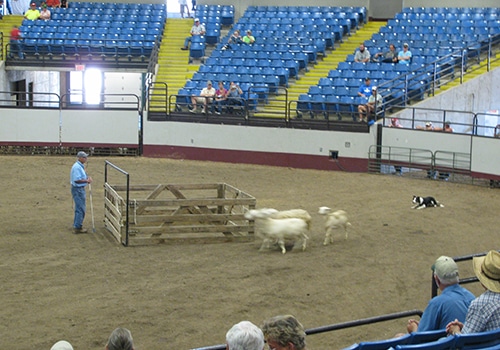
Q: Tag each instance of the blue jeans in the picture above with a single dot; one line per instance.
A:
(15, 48)
(187, 41)
(79, 198)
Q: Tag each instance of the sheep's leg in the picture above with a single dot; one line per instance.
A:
(304, 242)
(328, 236)
(265, 244)
(345, 230)
(281, 243)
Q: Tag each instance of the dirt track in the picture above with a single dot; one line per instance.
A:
(56, 285)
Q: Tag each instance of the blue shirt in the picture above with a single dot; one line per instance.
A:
(484, 313)
(365, 90)
(452, 304)
(404, 54)
(78, 173)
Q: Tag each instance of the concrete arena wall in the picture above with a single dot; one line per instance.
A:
(257, 145)
(84, 128)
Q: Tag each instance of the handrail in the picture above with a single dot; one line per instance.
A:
(342, 325)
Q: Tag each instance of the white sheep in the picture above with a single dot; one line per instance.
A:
(333, 220)
(294, 213)
(277, 230)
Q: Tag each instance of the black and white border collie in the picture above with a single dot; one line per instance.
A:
(424, 202)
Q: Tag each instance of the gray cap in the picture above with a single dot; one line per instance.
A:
(82, 154)
(62, 345)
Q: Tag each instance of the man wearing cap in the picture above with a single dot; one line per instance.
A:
(32, 14)
(366, 110)
(196, 29)
(248, 38)
(45, 13)
(204, 98)
(79, 179)
(451, 304)
(404, 56)
(484, 311)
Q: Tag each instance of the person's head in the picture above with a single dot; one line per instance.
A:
(445, 270)
(392, 47)
(284, 332)
(367, 81)
(374, 90)
(236, 32)
(209, 84)
(33, 6)
(82, 156)
(197, 21)
(405, 47)
(244, 336)
(249, 32)
(221, 84)
(232, 86)
(362, 47)
(428, 126)
(487, 270)
(394, 121)
(447, 125)
(44, 6)
(62, 345)
(120, 339)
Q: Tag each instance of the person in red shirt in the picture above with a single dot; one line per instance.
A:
(53, 3)
(15, 47)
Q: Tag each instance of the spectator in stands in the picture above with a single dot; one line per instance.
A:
(184, 6)
(362, 55)
(248, 38)
(193, 5)
(15, 47)
(235, 38)
(390, 56)
(53, 3)
(45, 13)
(451, 304)
(404, 56)
(284, 332)
(366, 111)
(244, 336)
(196, 29)
(120, 339)
(204, 98)
(365, 90)
(32, 14)
(220, 98)
(484, 311)
(234, 97)
(62, 345)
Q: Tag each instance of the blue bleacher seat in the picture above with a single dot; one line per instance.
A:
(477, 340)
(446, 343)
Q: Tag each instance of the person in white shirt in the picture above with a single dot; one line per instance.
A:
(196, 29)
(204, 98)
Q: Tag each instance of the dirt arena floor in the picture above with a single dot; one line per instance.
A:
(57, 285)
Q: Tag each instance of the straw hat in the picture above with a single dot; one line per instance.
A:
(487, 269)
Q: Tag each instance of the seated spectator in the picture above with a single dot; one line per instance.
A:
(284, 332)
(484, 311)
(367, 111)
(15, 47)
(234, 39)
(120, 339)
(53, 3)
(220, 98)
(404, 56)
(365, 90)
(244, 335)
(248, 38)
(204, 98)
(45, 13)
(233, 97)
(62, 345)
(362, 55)
(196, 30)
(32, 14)
(450, 305)
(390, 56)
(395, 123)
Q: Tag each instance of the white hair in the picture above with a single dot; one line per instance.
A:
(245, 336)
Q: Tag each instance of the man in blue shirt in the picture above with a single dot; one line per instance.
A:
(79, 179)
(451, 304)
(404, 56)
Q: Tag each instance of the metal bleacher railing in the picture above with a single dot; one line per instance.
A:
(417, 338)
